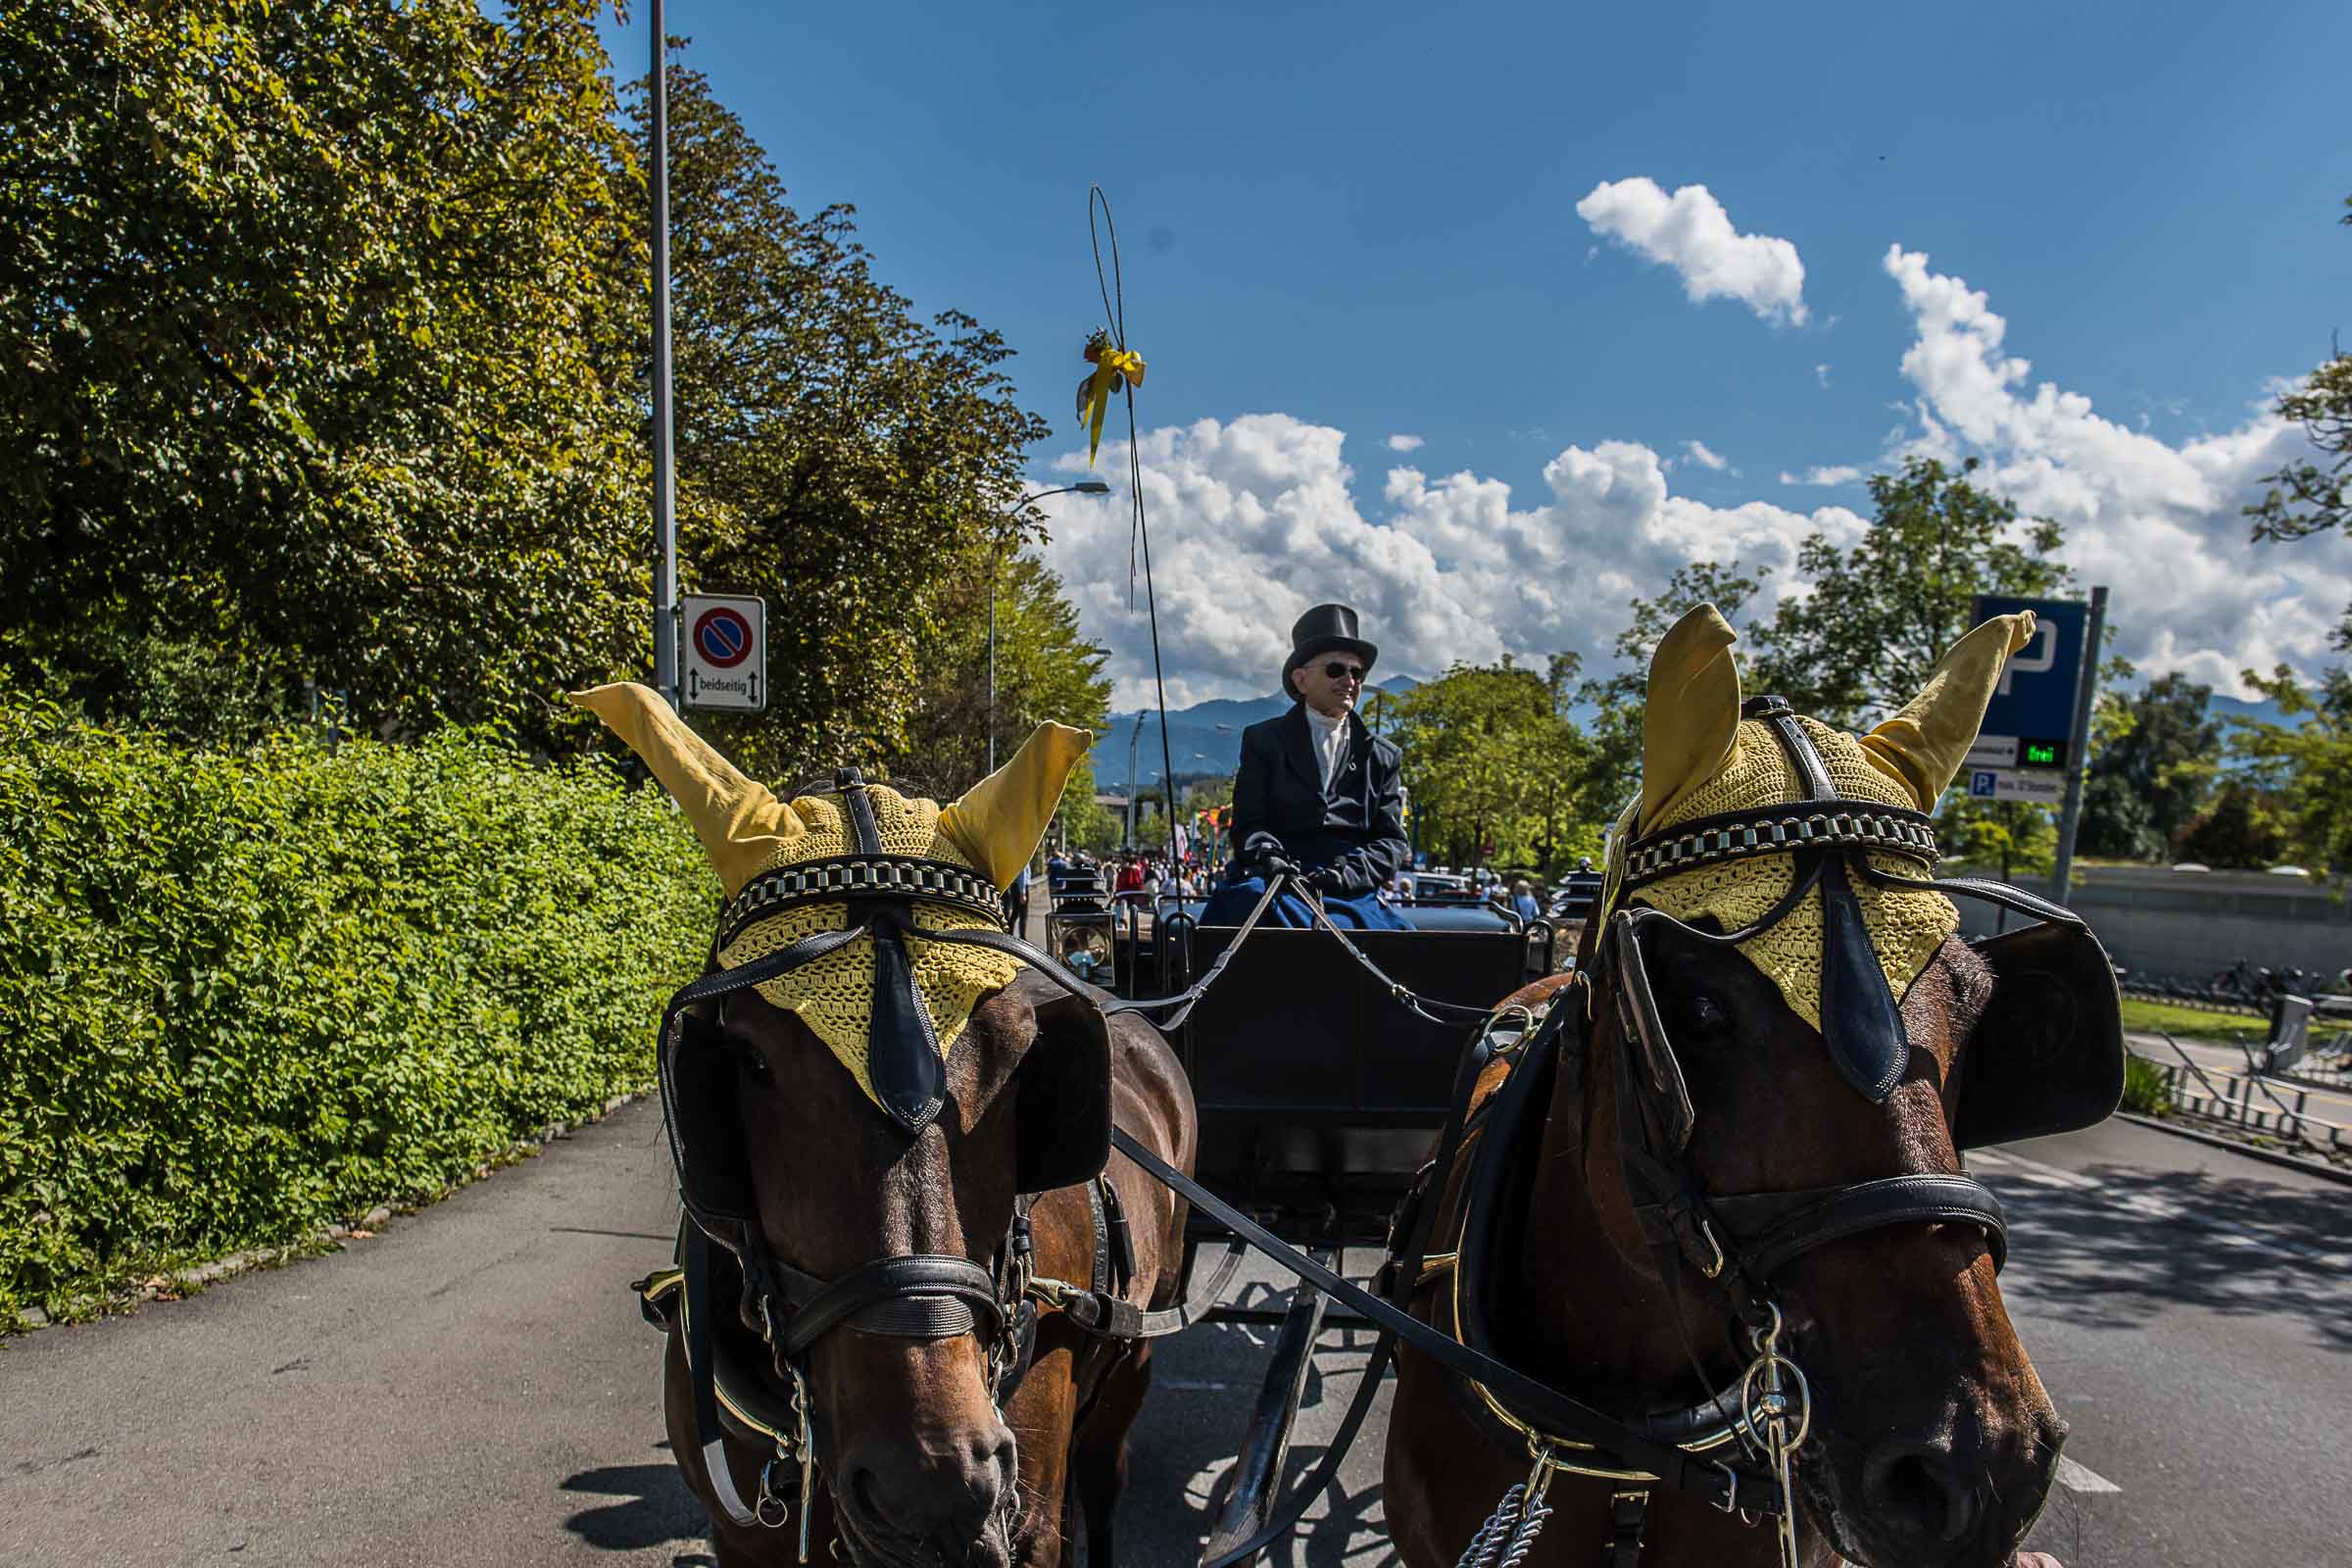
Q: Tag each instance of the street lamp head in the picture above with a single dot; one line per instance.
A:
(1091, 487)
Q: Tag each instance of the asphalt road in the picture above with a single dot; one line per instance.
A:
(473, 1385)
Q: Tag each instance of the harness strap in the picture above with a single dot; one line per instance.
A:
(1726, 1487)
(1629, 1511)
(701, 1375)
(1104, 1314)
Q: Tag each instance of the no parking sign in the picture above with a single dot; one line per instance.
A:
(726, 651)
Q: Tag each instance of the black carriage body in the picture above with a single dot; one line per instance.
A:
(1318, 1089)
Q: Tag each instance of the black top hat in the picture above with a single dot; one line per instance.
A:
(1321, 630)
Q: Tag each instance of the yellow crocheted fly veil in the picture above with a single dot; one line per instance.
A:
(1699, 759)
(746, 832)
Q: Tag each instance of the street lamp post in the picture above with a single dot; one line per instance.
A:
(1134, 736)
(665, 518)
(995, 556)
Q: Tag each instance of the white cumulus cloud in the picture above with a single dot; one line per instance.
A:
(2161, 524)
(1823, 473)
(1821, 374)
(1256, 518)
(1698, 453)
(1404, 443)
(1690, 232)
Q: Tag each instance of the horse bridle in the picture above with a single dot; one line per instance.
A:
(1739, 1241)
(921, 1296)
(1736, 1243)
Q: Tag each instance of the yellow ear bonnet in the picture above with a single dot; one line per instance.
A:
(746, 831)
(1714, 761)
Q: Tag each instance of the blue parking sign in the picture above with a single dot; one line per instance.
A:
(2030, 723)
(1982, 784)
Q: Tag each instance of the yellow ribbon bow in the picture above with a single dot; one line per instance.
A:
(1111, 365)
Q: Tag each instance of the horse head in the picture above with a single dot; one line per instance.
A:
(857, 1093)
(1791, 1048)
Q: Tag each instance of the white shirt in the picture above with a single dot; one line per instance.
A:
(1329, 737)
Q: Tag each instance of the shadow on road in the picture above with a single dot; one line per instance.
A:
(1204, 1382)
(2237, 1246)
(655, 1507)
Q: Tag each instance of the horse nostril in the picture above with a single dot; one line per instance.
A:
(1922, 1487)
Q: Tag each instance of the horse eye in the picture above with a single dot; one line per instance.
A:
(749, 1060)
(1704, 1017)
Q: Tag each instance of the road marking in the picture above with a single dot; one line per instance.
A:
(2143, 1205)
(2081, 1478)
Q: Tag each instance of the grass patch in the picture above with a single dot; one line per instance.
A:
(2223, 1028)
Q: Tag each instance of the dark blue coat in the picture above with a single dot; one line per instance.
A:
(1358, 828)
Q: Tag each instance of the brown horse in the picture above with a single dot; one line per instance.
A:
(1931, 1442)
(918, 1465)
(908, 1323)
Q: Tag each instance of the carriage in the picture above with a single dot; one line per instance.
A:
(1322, 1070)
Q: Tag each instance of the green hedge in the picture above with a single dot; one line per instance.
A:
(245, 995)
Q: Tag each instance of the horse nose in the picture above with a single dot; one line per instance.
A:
(943, 1490)
(1921, 1487)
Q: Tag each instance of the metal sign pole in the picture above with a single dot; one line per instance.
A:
(2087, 692)
(665, 515)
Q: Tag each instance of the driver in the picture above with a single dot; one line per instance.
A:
(1317, 791)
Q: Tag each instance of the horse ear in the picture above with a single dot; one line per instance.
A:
(740, 822)
(1692, 720)
(1923, 747)
(998, 820)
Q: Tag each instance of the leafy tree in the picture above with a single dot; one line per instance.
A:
(2242, 827)
(2306, 768)
(2010, 838)
(835, 453)
(2307, 497)
(1880, 613)
(1046, 668)
(2147, 784)
(1082, 823)
(1495, 766)
(2311, 766)
(308, 349)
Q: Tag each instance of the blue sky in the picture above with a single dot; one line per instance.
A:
(1478, 226)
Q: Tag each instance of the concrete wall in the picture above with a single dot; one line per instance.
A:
(2192, 924)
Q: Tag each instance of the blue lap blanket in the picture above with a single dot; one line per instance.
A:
(1233, 897)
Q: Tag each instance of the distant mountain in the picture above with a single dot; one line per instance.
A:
(1204, 739)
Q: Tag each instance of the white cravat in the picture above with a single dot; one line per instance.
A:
(1330, 738)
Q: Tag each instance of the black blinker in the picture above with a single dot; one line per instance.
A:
(901, 1061)
(1859, 1020)
(902, 1058)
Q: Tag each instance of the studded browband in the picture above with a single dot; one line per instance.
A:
(1781, 829)
(860, 876)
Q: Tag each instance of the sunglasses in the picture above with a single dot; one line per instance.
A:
(1334, 670)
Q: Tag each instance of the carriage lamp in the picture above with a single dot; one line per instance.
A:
(1085, 951)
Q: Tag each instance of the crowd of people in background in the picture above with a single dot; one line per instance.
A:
(1150, 873)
